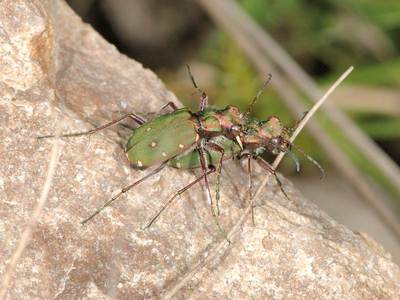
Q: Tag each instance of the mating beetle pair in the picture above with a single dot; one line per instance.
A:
(203, 139)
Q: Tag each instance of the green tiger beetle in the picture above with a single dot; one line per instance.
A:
(204, 139)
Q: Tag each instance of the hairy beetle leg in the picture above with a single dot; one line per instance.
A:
(250, 173)
(179, 193)
(266, 166)
(203, 161)
(221, 150)
(204, 167)
(123, 191)
(137, 118)
(170, 104)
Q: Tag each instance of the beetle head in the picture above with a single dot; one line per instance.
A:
(274, 136)
(233, 113)
(232, 121)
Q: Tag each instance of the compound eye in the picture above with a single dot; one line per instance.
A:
(234, 110)
(274, 141)
(235, 128)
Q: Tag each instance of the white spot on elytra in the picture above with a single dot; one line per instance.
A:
(164, 154)
(178, 165)
(139, 163)
(148, 128)
(181, 146)
(153, 144)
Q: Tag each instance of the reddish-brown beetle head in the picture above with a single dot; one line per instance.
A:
(274, 136)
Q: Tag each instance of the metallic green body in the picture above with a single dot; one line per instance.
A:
(191, 159)
(172, 137)
(161, 139)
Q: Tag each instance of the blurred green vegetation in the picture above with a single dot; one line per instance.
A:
(332, 34)
(317, 35)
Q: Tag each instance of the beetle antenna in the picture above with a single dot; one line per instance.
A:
(295, 159)
(293, 128)
(203, 95)
(192, 78)
(262, 88)
(321, 169)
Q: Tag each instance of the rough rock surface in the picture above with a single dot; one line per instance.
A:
(295, 251)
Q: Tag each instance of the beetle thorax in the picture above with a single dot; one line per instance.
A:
(227, 121)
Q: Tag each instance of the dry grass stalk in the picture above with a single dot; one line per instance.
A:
(311, 112)
(26, 234)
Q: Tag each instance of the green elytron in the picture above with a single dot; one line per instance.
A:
(188, 140)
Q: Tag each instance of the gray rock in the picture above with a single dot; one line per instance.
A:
(295, 251)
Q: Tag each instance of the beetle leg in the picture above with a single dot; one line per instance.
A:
(266, 166)
(123, 191)
(170, 104)
(138, 119)
(250, 173)
(221, 150)
(178, 193)
(250, 182)
(203, 101)
(203, 161)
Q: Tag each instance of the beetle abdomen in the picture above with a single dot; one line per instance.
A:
(161, 139)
